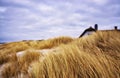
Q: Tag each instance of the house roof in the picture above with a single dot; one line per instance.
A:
(88, 30)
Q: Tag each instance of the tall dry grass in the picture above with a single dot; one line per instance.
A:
(14, 47)
(94, 56)
(17, 66)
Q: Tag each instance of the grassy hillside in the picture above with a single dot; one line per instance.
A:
(14, 47)
(94, 56)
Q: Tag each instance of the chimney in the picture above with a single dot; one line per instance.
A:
(96, 27)
(115, 27)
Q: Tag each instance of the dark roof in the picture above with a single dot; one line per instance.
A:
(94, 30)
(87, 30)
(90, 29)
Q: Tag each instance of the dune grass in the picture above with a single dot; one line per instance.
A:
(18, 66)
(67, 64)
(94, 56)
(14, 47)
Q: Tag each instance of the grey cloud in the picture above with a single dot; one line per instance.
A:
(42, 19)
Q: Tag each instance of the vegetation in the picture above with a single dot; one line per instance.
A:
(93, 56)
(14, 47)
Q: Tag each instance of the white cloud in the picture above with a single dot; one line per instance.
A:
(44, 8)
(34, 19)
(22, 2)
(3, 9)
(99, 2)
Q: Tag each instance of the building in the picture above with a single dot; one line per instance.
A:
(91, 30)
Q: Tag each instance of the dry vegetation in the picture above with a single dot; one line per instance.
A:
(14, 47)
(94, 56)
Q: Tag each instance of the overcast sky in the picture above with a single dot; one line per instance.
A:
(43, 19)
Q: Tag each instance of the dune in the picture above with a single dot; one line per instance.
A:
(93, 56)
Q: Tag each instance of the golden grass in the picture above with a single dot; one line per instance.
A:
(11, 69)
(20, 65)
(50, 43)
(94, 56)
(67, 64)
(14, 47)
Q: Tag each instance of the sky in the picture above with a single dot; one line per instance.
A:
(43, 19)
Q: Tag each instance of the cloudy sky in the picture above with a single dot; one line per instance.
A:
(43, 19)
